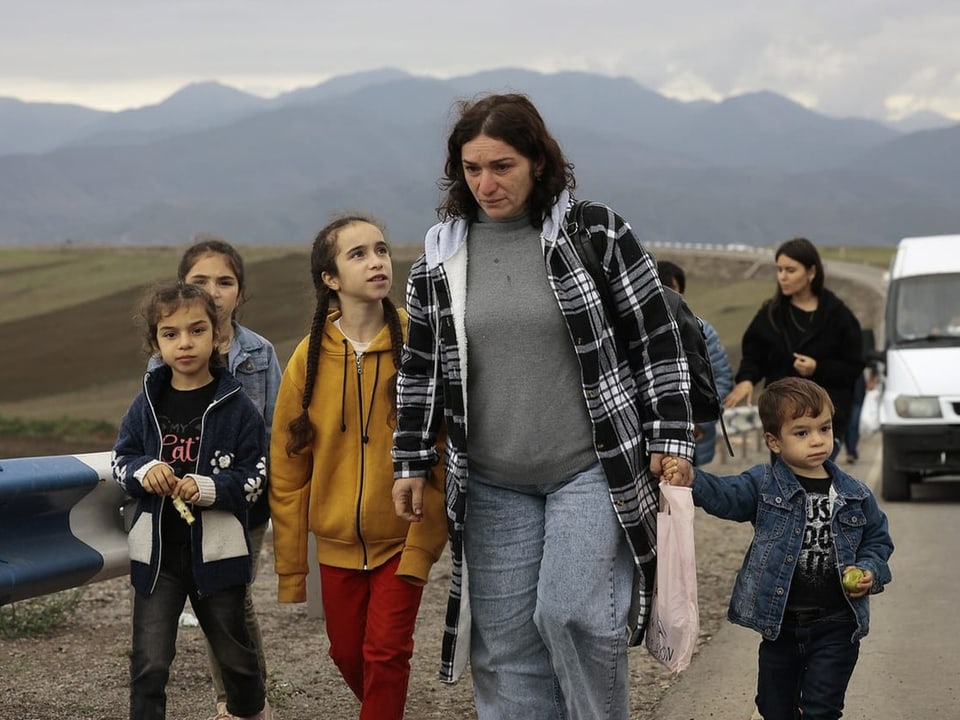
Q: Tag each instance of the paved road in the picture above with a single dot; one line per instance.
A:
(909, 666)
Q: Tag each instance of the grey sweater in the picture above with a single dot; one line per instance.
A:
(527, 415)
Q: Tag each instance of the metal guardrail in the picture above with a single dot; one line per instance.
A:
(62, 520)
(61, 524)
(720, 247)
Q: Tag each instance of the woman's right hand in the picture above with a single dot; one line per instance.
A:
(408, 498)
(743, 390)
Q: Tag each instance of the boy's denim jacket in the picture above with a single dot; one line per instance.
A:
(773, 500)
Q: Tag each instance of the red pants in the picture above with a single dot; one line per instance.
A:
(371, 615)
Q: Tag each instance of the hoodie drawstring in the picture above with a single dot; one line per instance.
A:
(343, 391)
(365, 425)
(364, 422)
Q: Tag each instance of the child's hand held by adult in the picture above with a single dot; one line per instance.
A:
(676, 471)
(668, 468)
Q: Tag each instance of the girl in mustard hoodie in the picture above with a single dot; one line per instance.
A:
(331, 472)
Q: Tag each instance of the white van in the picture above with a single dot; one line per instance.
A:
(920, 400)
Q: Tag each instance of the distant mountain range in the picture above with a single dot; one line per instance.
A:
(754, 169)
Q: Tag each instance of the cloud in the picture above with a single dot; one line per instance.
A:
(858, 57)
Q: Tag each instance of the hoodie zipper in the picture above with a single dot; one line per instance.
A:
(163, 499)
(363, 429)
(363, 453)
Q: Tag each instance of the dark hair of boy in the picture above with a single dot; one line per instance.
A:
(790, 398)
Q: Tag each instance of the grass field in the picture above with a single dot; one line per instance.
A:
(72, 350)
(876, 256)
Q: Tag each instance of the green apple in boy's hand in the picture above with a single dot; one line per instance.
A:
(851, 578)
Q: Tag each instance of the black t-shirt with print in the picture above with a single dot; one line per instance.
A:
(816, 583)
(180, 413)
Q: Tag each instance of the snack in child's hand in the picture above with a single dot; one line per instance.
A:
(851, 578)
(181, 507)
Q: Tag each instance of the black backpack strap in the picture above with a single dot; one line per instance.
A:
(690, 327)
(590, 252)
(591, 248)
(590, 256)
(726, 438)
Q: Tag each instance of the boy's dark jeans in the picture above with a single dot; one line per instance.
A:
(223, 620)
(807, 668)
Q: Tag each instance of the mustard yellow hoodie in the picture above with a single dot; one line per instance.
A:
(339, 488)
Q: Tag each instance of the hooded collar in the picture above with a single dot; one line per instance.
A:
(158, 378)
(333, 338)
(444, 239)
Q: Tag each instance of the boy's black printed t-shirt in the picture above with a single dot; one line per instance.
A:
(816, 582)
(180, 414)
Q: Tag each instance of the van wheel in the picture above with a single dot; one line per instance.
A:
(894, 485)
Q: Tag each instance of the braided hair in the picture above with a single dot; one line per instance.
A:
(323, 259)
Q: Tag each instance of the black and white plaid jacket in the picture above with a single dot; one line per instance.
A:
(638, 405)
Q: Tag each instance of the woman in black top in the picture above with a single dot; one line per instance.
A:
(803, 330)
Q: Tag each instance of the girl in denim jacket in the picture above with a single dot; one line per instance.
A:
(215, 265)
(820, 548)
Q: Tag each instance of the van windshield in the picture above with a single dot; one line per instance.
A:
(927, 310)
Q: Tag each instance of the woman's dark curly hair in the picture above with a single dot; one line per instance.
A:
(512, 119)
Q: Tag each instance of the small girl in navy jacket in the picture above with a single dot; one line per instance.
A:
(192, 452)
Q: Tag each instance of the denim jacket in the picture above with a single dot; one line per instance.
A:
(723, 378)
(252, 361)
(773, 500)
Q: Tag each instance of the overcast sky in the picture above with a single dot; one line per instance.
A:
(870, 58)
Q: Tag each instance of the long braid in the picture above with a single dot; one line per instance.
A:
(301, 430)
(396, 348)
(323, 259)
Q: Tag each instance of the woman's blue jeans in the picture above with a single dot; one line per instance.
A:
(549, 579)
(807, 668)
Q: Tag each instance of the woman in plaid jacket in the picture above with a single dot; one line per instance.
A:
(565, 435)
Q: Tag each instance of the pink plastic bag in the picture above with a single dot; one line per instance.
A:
(675, 616)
